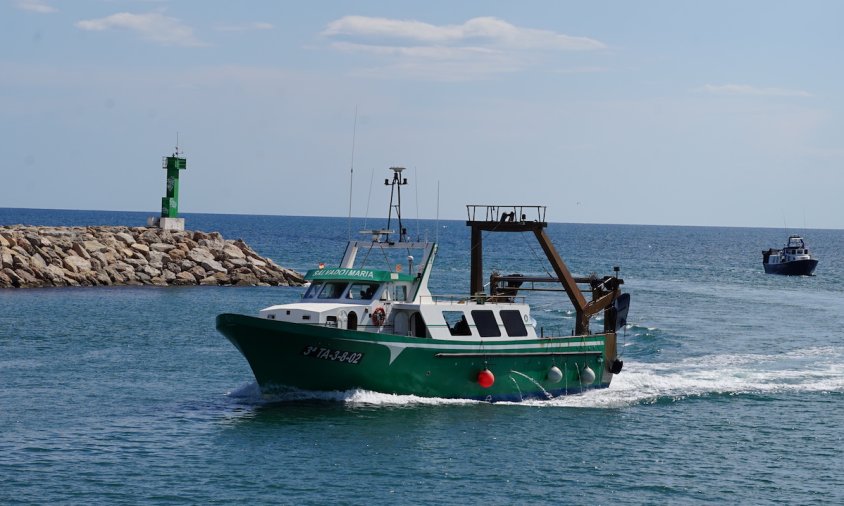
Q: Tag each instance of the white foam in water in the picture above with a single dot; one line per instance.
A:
(375, 398)
(810, 370)
(251, 394)
(246, 392)
(642, 383)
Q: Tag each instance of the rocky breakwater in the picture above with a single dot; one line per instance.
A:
(102, 256)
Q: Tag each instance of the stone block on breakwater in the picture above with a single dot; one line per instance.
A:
(33, 256)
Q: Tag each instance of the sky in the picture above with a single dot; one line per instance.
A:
(716, 113)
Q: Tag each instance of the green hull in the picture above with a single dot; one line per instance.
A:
(317, 358)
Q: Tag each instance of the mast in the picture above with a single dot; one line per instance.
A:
(395, 193)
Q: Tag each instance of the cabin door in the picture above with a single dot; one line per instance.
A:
(417, 325)
(401, 325)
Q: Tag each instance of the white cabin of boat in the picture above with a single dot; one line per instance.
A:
(399, 303)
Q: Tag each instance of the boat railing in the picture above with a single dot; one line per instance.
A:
(549, 331)
(531, 281)
(481, 298)
(504, 213)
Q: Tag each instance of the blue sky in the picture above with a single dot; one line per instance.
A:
(655, 112)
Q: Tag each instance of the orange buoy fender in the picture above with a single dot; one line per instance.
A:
(486, 378)
(378, 316)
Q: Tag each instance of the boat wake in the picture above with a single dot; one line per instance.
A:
(251, 394)
(814, 370)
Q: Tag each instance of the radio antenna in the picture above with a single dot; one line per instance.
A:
(352, 170)
(416, 173)
(437, 232)
(369, 198)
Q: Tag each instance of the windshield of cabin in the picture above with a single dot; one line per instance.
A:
(362, 291)
(332, 290)
(312, 291)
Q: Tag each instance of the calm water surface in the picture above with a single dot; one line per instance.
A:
(732, 388)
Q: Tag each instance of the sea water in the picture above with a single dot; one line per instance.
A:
(732, 388)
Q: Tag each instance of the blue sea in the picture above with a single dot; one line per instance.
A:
(732, 389)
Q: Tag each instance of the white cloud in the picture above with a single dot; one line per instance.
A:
(478, 48)
(435, 62)
(246, 27)
(38, 6)
(744, 89)
(476, 31)
(428, 52)
(152, 26)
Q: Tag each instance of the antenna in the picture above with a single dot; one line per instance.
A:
(352, 170)
(397, 182)
(417, 203)
(177, 144)
(369, 198)
(437, 233)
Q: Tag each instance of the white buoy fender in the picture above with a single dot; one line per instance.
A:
(587, 376)
(555, 374)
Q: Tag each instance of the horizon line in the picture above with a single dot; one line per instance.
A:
(418, 219)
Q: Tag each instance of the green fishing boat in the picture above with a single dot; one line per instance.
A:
(381, 329)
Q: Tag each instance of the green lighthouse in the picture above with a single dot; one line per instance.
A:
(170, 202)
(169, 219)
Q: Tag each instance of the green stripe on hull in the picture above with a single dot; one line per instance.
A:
(312, 357)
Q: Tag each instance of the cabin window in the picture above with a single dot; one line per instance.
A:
(362, 291)
(513, 323)
(312, 291)
(485, 323)
(401, 293)
(457, 324)
(332, 290)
